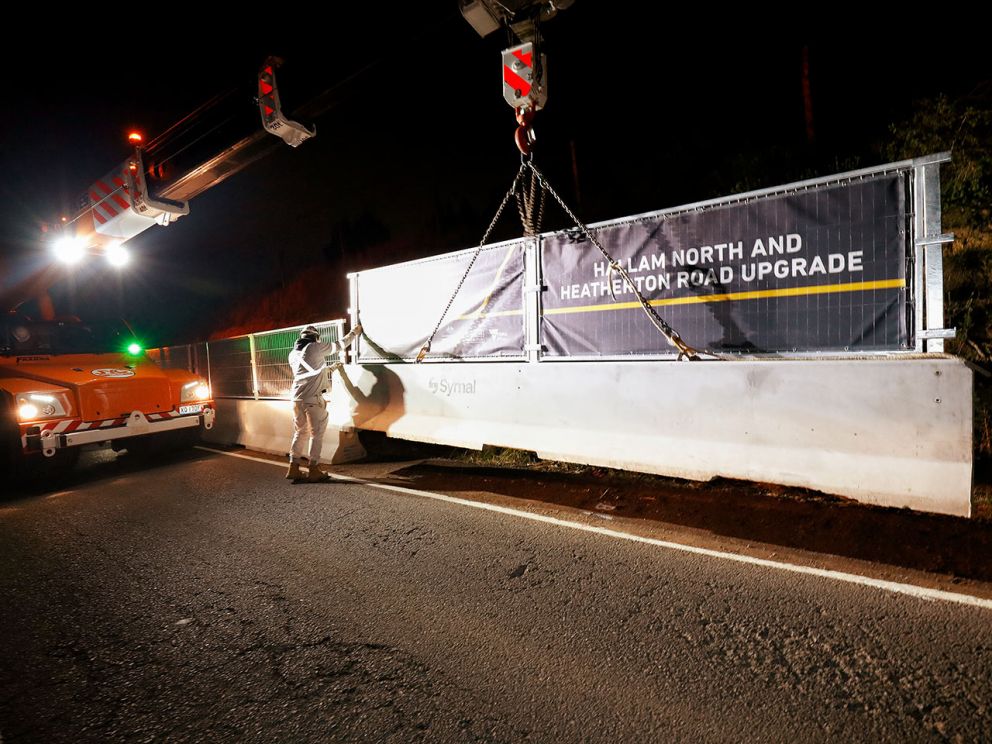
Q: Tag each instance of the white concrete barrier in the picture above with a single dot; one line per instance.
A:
(267, 426)
(894, 432)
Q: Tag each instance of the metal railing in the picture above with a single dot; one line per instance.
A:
(253, 366)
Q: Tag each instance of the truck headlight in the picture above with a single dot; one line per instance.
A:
(32, 406)
(196, 390)
(27, 411)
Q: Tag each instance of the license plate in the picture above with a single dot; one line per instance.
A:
(183, 410)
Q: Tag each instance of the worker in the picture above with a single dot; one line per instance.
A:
(308, 363)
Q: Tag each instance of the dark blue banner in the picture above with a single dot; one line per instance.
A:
(816, 270)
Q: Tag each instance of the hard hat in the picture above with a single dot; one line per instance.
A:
(310, 332)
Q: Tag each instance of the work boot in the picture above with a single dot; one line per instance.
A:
(316, 475)
(294, 472)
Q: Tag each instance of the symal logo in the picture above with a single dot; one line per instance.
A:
(447, 388)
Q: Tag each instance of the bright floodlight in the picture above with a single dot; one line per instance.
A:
(69, 250)
(117, 255)
(134, 349)
(27, 412)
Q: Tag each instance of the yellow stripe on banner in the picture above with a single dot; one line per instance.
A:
(733, 296)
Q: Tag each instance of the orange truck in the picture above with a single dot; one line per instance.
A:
(66, 384)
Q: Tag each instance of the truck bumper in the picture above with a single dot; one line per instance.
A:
(136, 425)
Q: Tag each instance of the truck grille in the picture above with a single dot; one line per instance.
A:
(110, 398)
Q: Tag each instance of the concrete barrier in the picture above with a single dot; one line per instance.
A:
(267, 426)
(893, 432)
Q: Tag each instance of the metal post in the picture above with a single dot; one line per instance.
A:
(339, 330)
(928, 244)
(353, 315)
(254, 367)
(933, 255)
(533, 286)
(210, 380)
(919, 230)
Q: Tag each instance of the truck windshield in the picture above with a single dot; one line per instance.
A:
(23, 337)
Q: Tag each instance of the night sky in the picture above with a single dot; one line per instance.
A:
(417, 149)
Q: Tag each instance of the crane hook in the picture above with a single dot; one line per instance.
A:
(524, 137)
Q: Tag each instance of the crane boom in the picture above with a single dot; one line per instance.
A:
(122, 204)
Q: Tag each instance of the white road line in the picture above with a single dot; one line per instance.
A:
(912, 590)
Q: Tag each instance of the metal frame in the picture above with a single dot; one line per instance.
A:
(928, 268)
(253, 354)
(924, 275)
(925, 295)
(352, 354)
(254, 365)
(338, 322)
(210, 379)
(533, 290)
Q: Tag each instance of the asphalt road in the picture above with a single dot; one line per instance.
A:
(208, 599)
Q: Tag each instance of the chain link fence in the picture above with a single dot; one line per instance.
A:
(173, 357)
(271, 351)
(231, 368)
(253, 366)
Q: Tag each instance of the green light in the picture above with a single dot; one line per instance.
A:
(134, 349)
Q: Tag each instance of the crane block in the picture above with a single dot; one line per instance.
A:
(524, 77)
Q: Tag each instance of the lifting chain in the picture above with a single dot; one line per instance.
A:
(672, 336)
(530, 204)
(425, 349)
(530, 195)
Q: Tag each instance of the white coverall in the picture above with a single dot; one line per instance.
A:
(310, 379)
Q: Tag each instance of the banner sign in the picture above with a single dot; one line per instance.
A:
(822, 269)
(399, 306)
